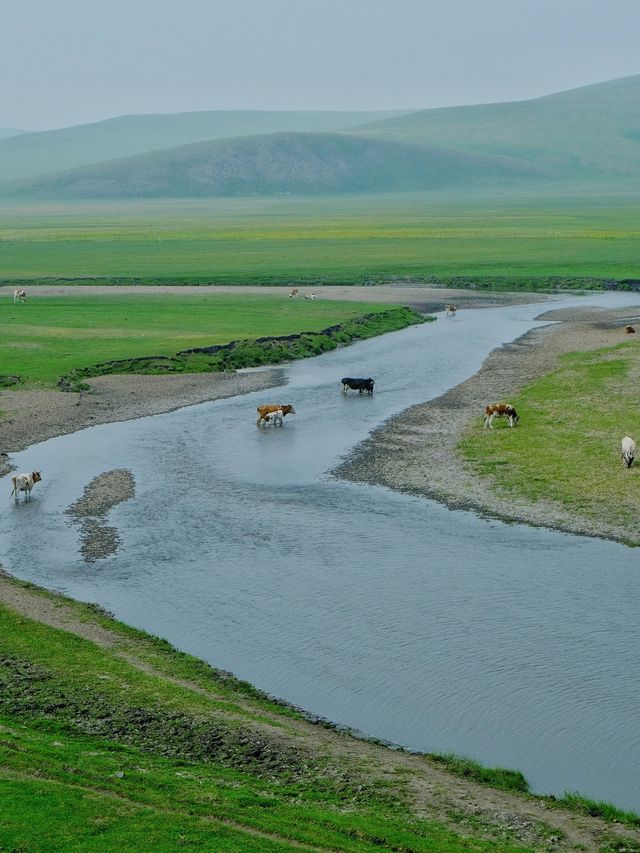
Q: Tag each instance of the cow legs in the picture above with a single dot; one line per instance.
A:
(487, 421)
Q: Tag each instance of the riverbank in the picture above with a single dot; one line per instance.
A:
(417, 451)
(107, 731)
(32, 416)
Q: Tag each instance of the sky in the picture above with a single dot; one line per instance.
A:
(65, 62)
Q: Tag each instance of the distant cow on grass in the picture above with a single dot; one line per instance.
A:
(19, 295)
(293, 293)
(266, 412)
(500, 410)
(24, 483)
(359, 385)
(628, 451)
(310, 296)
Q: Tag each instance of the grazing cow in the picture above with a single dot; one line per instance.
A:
(358, 385)
(265, 412)
(310, 296)
(293, 293)
(24, 483)
(629, 330)
(451, 310)
(628, 451)
(19, 295)
(500, 410)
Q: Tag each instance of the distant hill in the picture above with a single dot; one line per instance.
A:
(279, 163)
(593, 130)
(50, 151)
(6, 132)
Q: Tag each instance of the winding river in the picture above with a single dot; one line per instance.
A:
(438, 630)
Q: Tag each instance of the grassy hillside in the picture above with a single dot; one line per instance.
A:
(275, 164)
(593, 130)
(488, 239)
(53, 150)
(49, 337)
(112, 739)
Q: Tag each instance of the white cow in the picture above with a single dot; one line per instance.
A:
(19, 295)
(310, 296)
(628, 451)
(24, 483)
(275, 418)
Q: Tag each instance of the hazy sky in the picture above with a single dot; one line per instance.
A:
(64, 62)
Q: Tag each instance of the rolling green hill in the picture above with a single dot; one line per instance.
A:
(54, 150)
(594, 129)
(276, 164)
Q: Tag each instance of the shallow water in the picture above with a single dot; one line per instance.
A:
(391, 614)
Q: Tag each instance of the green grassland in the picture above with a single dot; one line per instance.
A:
(567, 448)
(111, 739)
(485, 238)
(51, 336)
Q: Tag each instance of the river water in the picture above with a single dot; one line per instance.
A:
(438, 630)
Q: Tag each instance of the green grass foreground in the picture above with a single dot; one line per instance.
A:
(51, 337)
(498, 237)
(567, 447)
(133, 745)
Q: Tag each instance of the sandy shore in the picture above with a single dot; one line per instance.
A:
(415, 452)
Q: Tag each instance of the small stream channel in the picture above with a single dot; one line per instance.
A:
(438, 630)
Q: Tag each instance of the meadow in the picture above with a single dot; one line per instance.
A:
(567, 447)
(496, 237)
(51, 336)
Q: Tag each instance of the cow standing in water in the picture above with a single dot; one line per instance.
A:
(359, 385)
(24, 483)
(266, 413)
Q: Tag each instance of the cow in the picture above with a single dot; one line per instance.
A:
(500, 410)
(451, 310)
(628, 451)
(293, 293)
(310, 296)
(264, 412)
(359, 385)
(24, 483)
(629, 330)
(275, 418)
(19, 295)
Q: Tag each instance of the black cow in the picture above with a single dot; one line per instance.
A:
(358, 385)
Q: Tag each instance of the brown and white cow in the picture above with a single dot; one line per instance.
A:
(451, 310)
(24, 483)
(264, 412)
(500, 410)
(293, 293)
(19, 295)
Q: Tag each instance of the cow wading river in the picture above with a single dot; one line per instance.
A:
(438, 630)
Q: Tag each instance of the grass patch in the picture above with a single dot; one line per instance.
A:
(50, 337)
(495, 777)
(598, 808)
(567, 447)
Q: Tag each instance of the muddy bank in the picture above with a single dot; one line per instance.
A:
(34, 416)
(415, 452)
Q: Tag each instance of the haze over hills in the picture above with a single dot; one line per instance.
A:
(595, 129)
(44, 152)
(275, 164)
(583, 136)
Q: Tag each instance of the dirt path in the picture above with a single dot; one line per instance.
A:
(415, 452)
